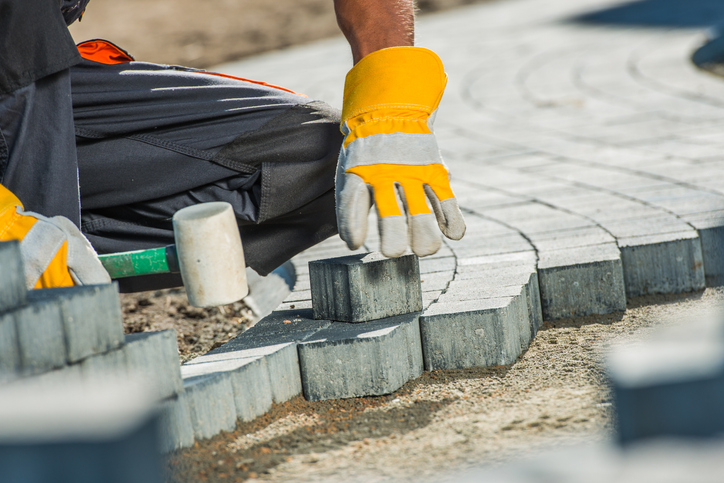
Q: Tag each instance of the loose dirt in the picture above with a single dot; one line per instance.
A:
(445, 422)
(197, 330)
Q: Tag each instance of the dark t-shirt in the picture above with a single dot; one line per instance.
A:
(34, 42)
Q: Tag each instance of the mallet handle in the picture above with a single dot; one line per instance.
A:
(141, 262)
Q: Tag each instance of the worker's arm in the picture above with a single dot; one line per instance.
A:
(390, 155)
(371, 25)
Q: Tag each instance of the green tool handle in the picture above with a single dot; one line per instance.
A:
(141, 262)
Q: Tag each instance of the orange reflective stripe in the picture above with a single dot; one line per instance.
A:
(103, 52)
(254, 82)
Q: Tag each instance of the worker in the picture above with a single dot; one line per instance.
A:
(92, 139)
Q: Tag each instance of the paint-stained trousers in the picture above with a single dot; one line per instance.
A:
(152, 139)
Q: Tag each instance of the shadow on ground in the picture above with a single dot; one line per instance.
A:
(659, 13)
(334, 424)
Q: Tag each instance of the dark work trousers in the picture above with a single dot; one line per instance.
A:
(37, 147)
(152, 139)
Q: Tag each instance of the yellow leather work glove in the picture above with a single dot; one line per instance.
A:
(390, 98)
(55, 253)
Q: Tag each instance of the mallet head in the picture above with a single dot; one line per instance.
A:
(210, 255)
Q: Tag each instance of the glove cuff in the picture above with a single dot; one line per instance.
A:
(404, 78)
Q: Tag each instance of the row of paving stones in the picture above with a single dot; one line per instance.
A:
(54, 337)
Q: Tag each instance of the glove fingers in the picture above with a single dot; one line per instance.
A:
(449, 218)
(353, 206)
(425, 238)
(393, 235)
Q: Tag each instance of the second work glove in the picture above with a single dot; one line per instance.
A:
(391, 154)
(55, 253)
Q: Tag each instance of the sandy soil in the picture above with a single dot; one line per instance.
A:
(445, 422)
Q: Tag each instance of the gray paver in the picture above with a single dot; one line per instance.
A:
(359, 288)
(274, 338)
(581, 281)
(175, 428)
(12, 278)
(712, 248)
(9, 350)
(154, 356)
(672, 384)
(248, 378)
(477, 333)
(210, 402)
(352, 360)
(40, 336)
(668, 263)
(91, 317)
(100, 366)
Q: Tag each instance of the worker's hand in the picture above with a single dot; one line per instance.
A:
(55, 253)
(390, 151)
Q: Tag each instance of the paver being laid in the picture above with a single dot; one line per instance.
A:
(358, 288)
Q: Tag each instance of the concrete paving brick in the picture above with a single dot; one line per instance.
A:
(65, 375)
(9, 350)
(479, 333)
(563, 239)
(248, 377)
(176, 430)
(359, 288)
(273, 339)
(306, 304)
(668, 263)
(91, 317)
(672, 384)
(581, 281)
(430, 297)
(99, 367)
(366, 359)
(40, 336)
(712, 250)
(462, 293)
(433, 265)
(436, 281)
(493, 246)
(298, 296)
(12, 278)
(648, 225)
(153, 356)
(210, 402)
